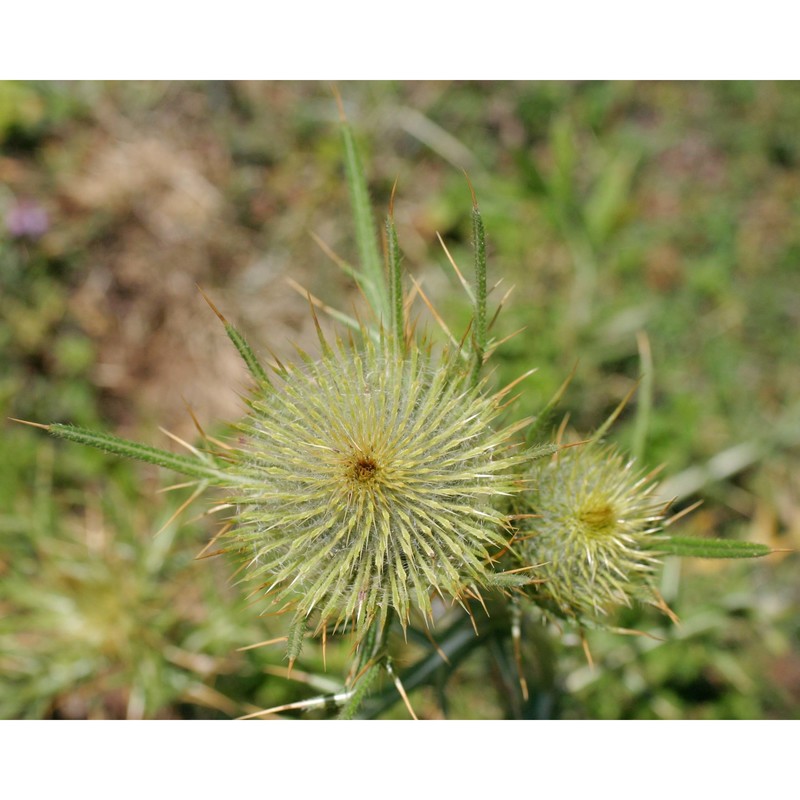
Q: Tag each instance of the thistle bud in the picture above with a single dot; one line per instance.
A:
(592, 530)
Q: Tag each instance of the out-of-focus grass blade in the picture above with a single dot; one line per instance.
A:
(370, 277)
(608, 199)
(644, 398)
(543, 417)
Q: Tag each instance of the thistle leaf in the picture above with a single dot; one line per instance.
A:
(503, 580)
(479, 330)
(395, 281)
(141, 452)
(710, 548)
(240, 343)
(247, 354)
(297, 633)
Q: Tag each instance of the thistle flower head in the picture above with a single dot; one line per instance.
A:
(370, 480)
(593, 532)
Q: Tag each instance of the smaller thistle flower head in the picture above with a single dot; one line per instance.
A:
(593, 532)
(370, 482)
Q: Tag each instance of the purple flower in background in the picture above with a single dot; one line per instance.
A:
(27, 219)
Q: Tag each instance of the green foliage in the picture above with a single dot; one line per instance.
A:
(109, 619)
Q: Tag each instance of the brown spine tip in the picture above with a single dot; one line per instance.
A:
(211, 305)
(471, 191)
(339, 104)
(194, 418)
(32, 424)
(574, 444)
(391, 199)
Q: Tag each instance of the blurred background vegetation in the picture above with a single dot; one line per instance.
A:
(614, 208)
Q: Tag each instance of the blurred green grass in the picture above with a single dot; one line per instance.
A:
(614, 209)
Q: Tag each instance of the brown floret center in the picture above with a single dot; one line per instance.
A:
(364, 469)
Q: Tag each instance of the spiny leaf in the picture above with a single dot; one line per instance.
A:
(504, 580)
(240, 343)
(395, 278)
(479, 329)
(297, 633)
(140, 452)
(247, 354)
(710, 548)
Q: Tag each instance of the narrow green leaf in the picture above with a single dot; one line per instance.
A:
(479, 334)
(247, 354)
(395, 282)
(370, 277)
(135, 450)
(710, 548)
(610, 195)
(240, 343)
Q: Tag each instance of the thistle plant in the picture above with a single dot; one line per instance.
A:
(382, 473)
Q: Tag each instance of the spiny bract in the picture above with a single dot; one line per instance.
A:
(593, 532)
(371, 481)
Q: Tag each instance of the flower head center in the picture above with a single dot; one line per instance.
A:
(599, 518)
(363, 469)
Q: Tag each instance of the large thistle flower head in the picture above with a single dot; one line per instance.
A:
(592, 530)
(370, 482)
